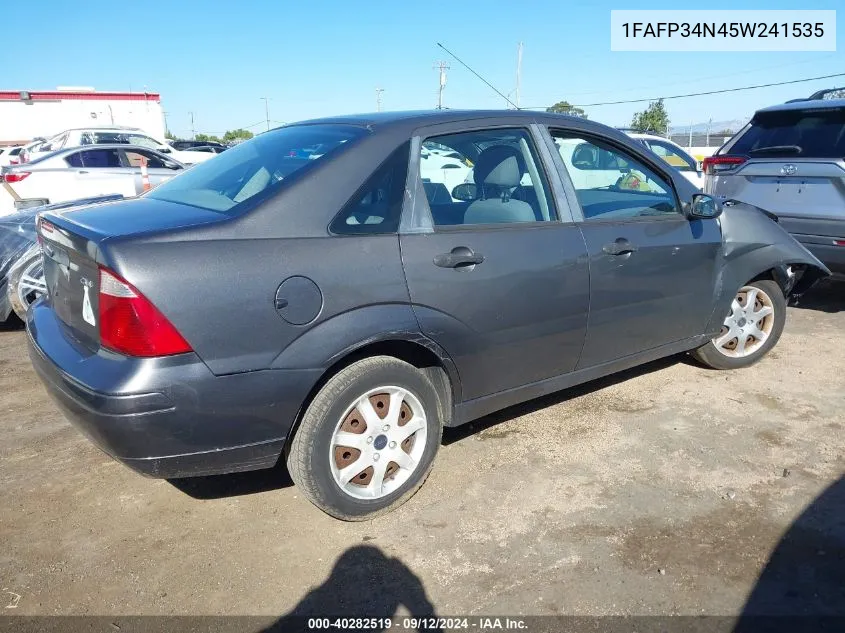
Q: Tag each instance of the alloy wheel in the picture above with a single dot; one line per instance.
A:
(378, 443)
(748, 325)
(31, 284)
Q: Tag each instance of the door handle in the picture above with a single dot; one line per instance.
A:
(620, 246)
(459, 257)
(82, 171)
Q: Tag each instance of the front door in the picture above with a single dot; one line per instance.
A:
(652, 271)
(501, 284)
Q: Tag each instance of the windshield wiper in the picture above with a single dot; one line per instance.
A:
(778, 149)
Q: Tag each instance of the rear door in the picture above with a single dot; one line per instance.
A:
(652, 271)
(99, 171)
(507, 298)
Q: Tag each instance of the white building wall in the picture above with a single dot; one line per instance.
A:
(23, 120)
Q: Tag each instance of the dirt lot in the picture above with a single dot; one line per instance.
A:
(665, 490)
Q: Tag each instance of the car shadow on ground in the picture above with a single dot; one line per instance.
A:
(802, 587)
(364, 583)
(825, 296)
(12, 324)
(235, 484)
(458, 433)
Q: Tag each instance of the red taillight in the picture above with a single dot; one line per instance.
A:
(131, 325)
(839, 242)
(15, 176)
(718, 164)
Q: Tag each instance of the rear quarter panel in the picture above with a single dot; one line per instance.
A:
(220, 295)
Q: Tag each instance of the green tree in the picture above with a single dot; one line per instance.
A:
(653, 119)
(564, 107)
(207, 138)
(237, 135)
(170, 136)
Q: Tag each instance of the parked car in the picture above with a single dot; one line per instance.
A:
(21, 270)
(182, 145)
(209, 149)
(9, 155)
(673, 154)
(368, 317)
(33, 146)
(83, 172)
(110, 135)
(790, 160)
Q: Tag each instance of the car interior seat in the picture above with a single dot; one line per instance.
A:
(498, 172)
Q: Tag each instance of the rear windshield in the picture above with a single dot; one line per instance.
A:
(254, 170)
(800, 133)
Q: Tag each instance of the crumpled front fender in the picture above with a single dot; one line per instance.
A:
(754, 244)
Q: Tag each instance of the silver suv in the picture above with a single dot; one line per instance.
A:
(790, 161)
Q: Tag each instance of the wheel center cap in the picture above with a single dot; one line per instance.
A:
(381, 442)
(741, 322)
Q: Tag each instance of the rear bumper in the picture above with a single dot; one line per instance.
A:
(166, 417)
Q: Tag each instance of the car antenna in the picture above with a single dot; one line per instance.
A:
(491, 86)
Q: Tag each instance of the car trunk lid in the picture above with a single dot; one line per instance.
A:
(73, 245)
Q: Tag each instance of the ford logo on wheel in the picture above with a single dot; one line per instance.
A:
(789, 170)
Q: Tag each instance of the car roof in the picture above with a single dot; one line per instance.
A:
(805, 104)
(415, 118)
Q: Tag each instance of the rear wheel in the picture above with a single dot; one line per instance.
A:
(26, 283)
(368, 439)
(752, 327)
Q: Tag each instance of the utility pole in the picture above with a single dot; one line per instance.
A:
(378, 99)
(442, 67)
(193, 131)
(266, 111)
(166, 129)
(690, 134)
(518, 72)
(709, 123)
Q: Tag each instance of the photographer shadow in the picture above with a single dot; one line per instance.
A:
(364, 583)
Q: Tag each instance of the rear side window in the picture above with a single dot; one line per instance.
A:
(376, 207)
(804, 133)
(74, 160)
(100, 158)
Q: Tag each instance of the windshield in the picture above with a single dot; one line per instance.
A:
(255, 167)
(805, 133)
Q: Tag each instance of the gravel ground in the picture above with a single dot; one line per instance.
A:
(671, 489)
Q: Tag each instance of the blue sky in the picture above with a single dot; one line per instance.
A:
(320, 58)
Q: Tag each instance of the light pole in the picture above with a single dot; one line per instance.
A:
(378, 99)
(266, 111)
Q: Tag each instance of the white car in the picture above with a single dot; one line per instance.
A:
(111, 135)
(673, 154)
(593, 167)
(9, 155)
(83, 172)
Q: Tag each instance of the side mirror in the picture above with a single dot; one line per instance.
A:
(466, 191)
(164, 150)
(703, 207)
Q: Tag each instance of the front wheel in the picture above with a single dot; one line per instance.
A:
(367, 441)
(751, 329)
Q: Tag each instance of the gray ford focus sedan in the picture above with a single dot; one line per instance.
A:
(333, 293)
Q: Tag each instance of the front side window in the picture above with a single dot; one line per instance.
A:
(673, 155)
(257, 168)
(484, 177)
(135, 158)
(612, 184)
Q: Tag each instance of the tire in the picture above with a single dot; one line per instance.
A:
(333, 475)
(726, 350)
(28, 267)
